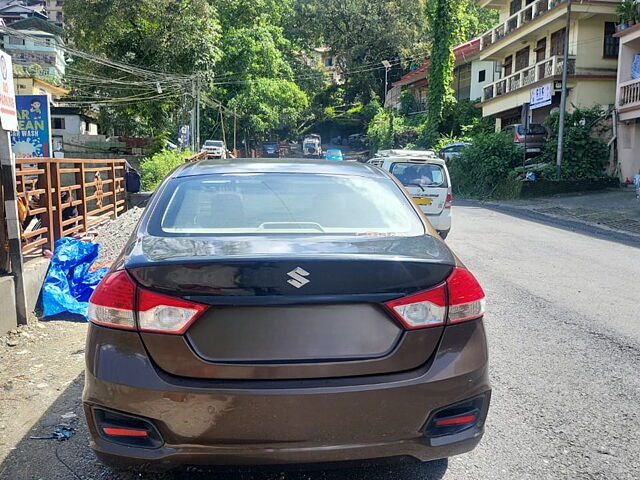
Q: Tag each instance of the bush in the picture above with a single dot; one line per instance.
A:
(153, 169)
(388, 130)
(585, 156)
(486, 165)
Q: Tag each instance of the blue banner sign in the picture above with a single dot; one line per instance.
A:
(33, 138)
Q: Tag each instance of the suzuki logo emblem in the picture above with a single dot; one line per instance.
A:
(298, 279)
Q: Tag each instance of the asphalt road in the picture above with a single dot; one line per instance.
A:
(564, 329)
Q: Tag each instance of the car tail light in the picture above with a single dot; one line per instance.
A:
(164, 314)
(112, 302)
(424, 309)
(460, 298)
(448, 203)
(118, 300)
(466, 297)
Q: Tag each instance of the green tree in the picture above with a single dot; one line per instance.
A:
(257, 72)
(141, 33)
(477, 20)
(445, 20)
(362, 33)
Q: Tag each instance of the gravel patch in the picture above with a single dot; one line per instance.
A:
(113, 236)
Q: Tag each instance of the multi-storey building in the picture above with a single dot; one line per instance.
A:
(528, 43)
(470, 76)
(628, 103)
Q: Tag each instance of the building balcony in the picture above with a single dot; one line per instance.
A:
(629, 95)
(517, 21)
(546, 69)
(536, 20)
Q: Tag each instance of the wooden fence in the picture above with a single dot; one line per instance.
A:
(62, 197)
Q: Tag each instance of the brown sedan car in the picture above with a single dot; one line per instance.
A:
(272, 312)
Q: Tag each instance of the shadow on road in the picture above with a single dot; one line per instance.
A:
(73, 459)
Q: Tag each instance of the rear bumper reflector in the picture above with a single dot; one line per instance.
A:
(124, 432)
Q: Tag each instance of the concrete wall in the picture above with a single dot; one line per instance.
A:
(628, 148)
(72, 125)
(592, 92)
(34, 272)
(8, 318)
(490, 77)
(589, 45)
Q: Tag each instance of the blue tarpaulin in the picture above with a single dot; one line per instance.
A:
(69, 283)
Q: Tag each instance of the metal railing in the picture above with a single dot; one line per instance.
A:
(63, 197)
(547, 68)
(517, 20)
(629, 93)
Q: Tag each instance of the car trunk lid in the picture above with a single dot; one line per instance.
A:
(304, 315)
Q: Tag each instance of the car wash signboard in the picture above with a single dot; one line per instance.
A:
(33, 138)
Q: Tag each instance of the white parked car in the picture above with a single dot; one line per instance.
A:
(426, 178)
(215, 149)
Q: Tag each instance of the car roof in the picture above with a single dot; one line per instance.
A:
(277, 165)
(459, 144)
(417, 161)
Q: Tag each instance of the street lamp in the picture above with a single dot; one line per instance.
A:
(387, 67)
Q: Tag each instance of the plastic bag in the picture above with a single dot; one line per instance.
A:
(69, 282)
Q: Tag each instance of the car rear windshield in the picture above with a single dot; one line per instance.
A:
(425, 175)
(534, 129)
(273, 203)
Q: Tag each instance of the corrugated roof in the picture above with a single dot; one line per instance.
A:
(464, 53)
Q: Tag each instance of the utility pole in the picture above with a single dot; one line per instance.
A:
(235, 130)
(224, 135)
(193, 115)
(387, 67)
(198, 112)
(563, 95)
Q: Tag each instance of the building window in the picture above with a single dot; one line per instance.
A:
(59, 16)
(57, 123)
(16, 41)
(557, 43)
(522, 59)
(611, 43)
(482, 76)
(328, 62)
(541, 50)
(508, 65)
(515, 6)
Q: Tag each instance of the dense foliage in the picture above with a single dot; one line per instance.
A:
(140, 33)
(153, 169)
(253, 56)
(585, 155)
(445, 22)
(485, 165)
(363, 33)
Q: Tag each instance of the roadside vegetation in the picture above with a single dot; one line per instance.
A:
(154, 168)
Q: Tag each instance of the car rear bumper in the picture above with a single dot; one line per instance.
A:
(211, 422)
(441, 221)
